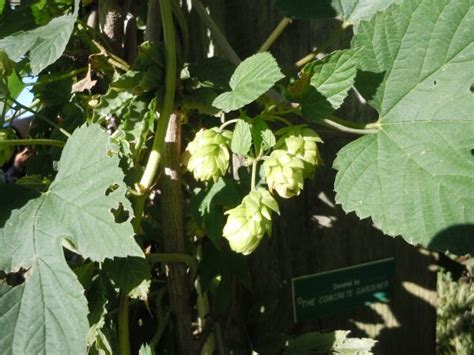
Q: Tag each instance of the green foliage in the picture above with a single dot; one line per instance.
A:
(406, 177)
(75, 228)
(51, 299)
(45, 44)
(245, 87)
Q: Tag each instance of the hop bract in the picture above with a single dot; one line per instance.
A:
(207, 155)
(284, 173)
(6, 151)
(301, 142)
(248, 222)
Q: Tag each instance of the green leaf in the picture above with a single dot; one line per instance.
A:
(77, 207)
(242, 138)
(262, 136)
(128, 273)
(334, 75)
(252, 78)
(45, 44)
(2, 6)
(415, 177)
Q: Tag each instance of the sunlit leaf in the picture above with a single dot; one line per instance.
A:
(48, 312)
(415, 177)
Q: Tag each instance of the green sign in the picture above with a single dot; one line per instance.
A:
(342, 289)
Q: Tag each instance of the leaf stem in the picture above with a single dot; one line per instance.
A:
(228, 123)
(349, 127)
(275, 34)
(151, 169)
(331, 40)
(277, 118)
(254, 174)
(40, 116)
(52, 142)
(124, 336)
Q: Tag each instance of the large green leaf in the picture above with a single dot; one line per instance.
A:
(45, 44)
(48, 312)
(252, 78)
(415, 177)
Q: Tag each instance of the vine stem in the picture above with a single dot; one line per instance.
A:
(275, 34)
(124, 336)
(228, 123)
(40, 116)
(349, 127)
(52, 142)
(334, 37)
(151, 169)
(153, 163)
(254, 174)
(277, 118)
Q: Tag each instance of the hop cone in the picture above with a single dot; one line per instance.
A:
(248, 222)
(6, 151)
(301, 142)
(284, 173)
(207, 155)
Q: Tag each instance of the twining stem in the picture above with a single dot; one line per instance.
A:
(275, 34)
(40, 116)
(124, 336)
(228, 123)
(153, 163)
(334, 37)
(52, 142)
(349, 127)
(151, 169)
(276, 118)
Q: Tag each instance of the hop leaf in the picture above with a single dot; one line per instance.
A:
(284, 173)
(248, 222)
(301, 142)
(6, 151)
(207, 156)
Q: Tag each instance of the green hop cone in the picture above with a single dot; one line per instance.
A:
(284, 173)
(6, 151)
(301, 142)
(207, 156)
(248, 222)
